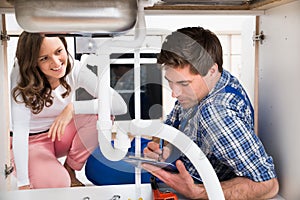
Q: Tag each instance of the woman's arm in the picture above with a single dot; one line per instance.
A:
(20, 116)
(60, 123)
(118, 105)
(88, 80)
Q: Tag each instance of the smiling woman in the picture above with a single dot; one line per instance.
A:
(46, 122)
(35, 71)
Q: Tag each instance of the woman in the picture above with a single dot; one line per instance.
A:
(45, 120)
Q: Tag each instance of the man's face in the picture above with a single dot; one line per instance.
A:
(188, 88)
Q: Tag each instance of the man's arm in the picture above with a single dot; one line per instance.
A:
(236, 188)
(244, 188)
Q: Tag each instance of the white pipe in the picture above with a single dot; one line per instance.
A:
(186, 146)
(104, 132)
(148, 127)
(122, 141)
(104, 124)
(139, 34)
(137, 113)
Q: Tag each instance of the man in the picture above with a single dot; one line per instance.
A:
(213, 109)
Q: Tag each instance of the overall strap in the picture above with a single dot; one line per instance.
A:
(186, 119)
(229, 89)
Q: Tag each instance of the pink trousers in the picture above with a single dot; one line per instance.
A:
(77, 143)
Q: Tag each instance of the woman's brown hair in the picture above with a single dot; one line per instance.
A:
(33, 86)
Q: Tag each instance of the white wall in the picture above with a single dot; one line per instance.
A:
(248, 58)
(215, 23)
(279, 93)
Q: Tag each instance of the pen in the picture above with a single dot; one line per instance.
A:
(161, 146)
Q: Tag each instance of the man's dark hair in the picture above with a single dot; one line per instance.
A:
(195, 46)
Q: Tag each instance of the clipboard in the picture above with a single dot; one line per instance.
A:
(170, 167)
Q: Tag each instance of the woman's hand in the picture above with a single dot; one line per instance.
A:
(58, 127)
(153, 151)
(181, 182)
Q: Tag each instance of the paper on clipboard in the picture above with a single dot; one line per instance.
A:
(137, 161)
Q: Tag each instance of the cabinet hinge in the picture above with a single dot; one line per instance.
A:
(8, 170)
(260, 37)
(4, 37)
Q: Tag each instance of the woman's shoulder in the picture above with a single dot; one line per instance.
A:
(78, 66)
(73, 75)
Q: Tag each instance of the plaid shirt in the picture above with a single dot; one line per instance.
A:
(222, 125)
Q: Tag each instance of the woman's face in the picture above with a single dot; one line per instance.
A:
(52, 60)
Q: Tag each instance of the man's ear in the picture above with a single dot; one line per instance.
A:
(213, 71)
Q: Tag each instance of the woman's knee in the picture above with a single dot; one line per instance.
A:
(58, 178)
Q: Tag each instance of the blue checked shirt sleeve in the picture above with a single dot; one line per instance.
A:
(230, 132)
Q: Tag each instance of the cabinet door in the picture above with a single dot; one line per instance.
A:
(4, 110)
(279, 108)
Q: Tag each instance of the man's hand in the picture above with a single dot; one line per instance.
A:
(236, 188)
(181, 182)
(58, 127)
(153, 151)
